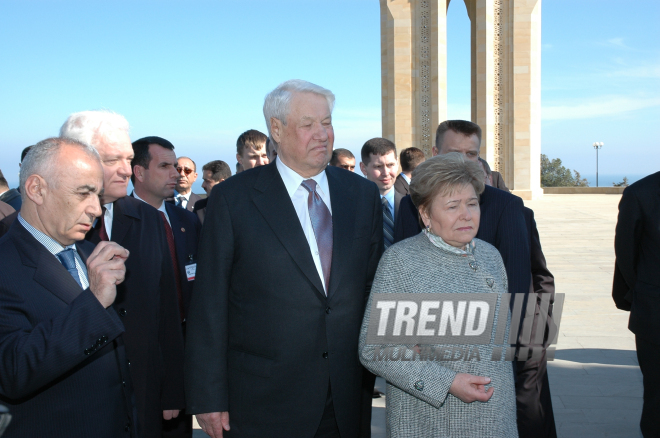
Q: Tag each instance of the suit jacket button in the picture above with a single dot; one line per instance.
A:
(328, 310)
(122, 312)
(88, 351)
(104, 339)
(127, 428)
(419, 385)
(325, 355)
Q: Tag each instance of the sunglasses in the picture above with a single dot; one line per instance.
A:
(185, 170)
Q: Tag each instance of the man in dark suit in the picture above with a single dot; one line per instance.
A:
(503, 226)
(287, 256)
(147, 300)
(64, 372)
(637, 285)
(534, 403)
(213, 173)
(409, 158)
(379, 165)
(154, 177)
(9, 196)
(183, 195)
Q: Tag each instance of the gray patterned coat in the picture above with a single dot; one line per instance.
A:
(418, 399)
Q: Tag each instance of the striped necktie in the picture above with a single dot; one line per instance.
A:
(322, 225)
(388, 223)
(66, 257)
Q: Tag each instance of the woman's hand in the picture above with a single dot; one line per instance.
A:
(469, 388)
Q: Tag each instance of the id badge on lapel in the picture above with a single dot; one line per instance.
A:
(191, 268)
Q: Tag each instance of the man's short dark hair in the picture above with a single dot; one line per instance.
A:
(25, 152)
(250, 138)
(336, 153)
(377, 146)
(219, 170)
(410, 158)
(458, 126)
(3, 181)
(141, 156)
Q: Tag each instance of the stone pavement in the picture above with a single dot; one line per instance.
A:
(595, 380)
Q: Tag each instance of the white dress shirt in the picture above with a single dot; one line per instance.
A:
(107, 219)
(299, 195)
(55, 247)
(405, 177)
(184, 198)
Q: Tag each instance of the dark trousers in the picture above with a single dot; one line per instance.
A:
(368, 383)
(535, 416)
(328, 426)
(648, 356)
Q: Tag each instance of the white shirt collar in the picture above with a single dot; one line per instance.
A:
(186, 196)
(292, 181)
(405, 177)
(161, 208)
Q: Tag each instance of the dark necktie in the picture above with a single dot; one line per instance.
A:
(179, 201)
(103, 234)
(388, 223)
(66, 257)
(99, 229)
(322, 224)
(175, 264)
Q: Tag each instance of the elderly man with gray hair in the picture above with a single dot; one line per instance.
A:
(64, 370)
(147, 301)
(271, 346)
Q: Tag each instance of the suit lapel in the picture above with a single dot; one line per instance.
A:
(123, 212)
(274, 203)
(49, 272)
(343, 214)
(397, 200)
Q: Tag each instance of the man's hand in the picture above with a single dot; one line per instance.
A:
(105, 269)
(469, 388)
(169, 414)
(213, 423)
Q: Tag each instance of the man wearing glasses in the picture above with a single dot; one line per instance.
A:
(184, 197)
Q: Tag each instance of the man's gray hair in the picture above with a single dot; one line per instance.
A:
(42, 159)
(278, 101)
(84, 126)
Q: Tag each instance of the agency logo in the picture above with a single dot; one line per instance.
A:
(458, 326)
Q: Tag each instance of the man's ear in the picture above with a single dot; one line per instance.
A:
(138, 171)
(434, 151)
(36, 189)
(363, 168)
(239, 159)
(276, 128)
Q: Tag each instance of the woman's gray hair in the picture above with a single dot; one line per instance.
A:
(278, 102)
(42, 159)
(444, 174)
(84, 126)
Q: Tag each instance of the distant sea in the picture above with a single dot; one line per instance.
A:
(607, 179)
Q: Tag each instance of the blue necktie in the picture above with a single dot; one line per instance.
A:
(388, 223)
(322, 224)
(67, 259)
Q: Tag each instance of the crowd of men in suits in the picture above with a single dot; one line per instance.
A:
(123, 314)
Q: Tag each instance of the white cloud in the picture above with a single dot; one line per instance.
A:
(605, 106)
(617, 42)
(642, 71)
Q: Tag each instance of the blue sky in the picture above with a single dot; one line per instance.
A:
(196, 72)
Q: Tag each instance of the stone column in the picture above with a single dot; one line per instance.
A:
(526, 99)
(414, 71)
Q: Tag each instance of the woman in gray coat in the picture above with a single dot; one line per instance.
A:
(428, 393)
